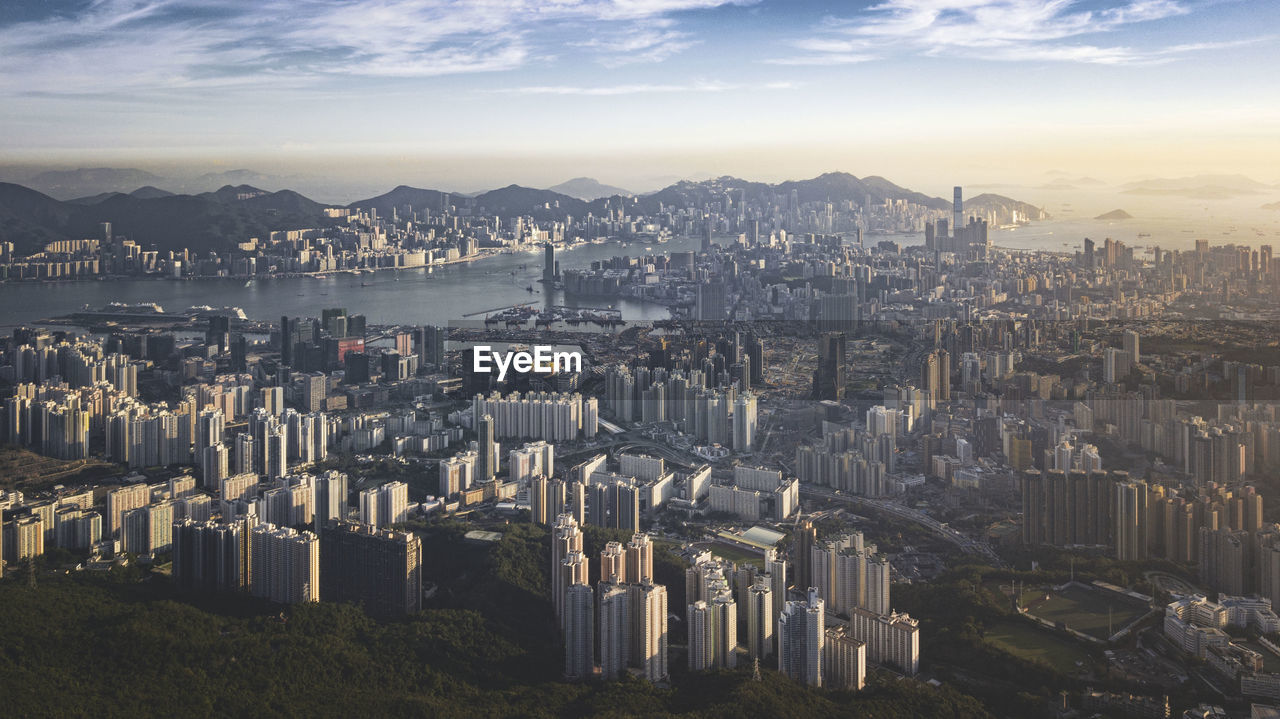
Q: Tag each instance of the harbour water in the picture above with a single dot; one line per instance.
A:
(465, 291)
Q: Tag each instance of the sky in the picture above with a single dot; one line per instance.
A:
(471, 95)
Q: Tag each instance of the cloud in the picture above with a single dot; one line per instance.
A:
(160, 45)
(639, 45)
(639, 88)
(998, 30)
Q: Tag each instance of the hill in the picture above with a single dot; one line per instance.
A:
(517, 200)
(1001, 209)
(586, 188)
(215, 220)
(485, 646)
(210, 221)
(146, 192)
(28, 218)
(402, 198)
(1114, 215)
(833, 187)
(1271, 206)
(149, 192)
(68, 184)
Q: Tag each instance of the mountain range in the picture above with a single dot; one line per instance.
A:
(158, 219)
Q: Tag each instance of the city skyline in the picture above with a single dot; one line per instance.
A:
(893, 358)
(638, 94)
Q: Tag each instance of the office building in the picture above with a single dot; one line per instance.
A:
(710, 302)
(829, 376)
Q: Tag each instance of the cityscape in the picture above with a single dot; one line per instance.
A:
(972, 438)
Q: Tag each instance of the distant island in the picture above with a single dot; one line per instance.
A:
(1271, 206)
(1115, 215)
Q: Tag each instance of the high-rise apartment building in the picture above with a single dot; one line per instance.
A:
(844, 660)
(120, 501)
(487, 464)
(892, 639)
(579, 632)
(378, 569)
(801, 633)
(211, 556)
(284, 565)
(760, 619)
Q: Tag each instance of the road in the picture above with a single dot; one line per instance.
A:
(962, 541)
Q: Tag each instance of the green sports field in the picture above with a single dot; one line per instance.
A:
(1084, 610)
(1023, 639)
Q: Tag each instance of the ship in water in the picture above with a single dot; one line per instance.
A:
(148, 313)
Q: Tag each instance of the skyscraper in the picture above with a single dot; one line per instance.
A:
(828, 377)
(285, 565)
(615, 630)
(120, 501)
(487, 466)
(211, 556)
(579, 633)
(957, 209)
(648, 641)
(1131, 345)
(549, 265)
(1130, 515)
(801, 633)
(710, 301)
(760, 619)
(566, 540)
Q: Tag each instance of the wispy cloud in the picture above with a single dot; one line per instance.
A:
(1000, 30)
(639, 88)
(639, 44)
(135, 45)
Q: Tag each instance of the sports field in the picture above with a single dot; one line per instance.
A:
(737, 554)
(1023, 639)
(1093, 612)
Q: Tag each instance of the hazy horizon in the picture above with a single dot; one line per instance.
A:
(638, 93)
